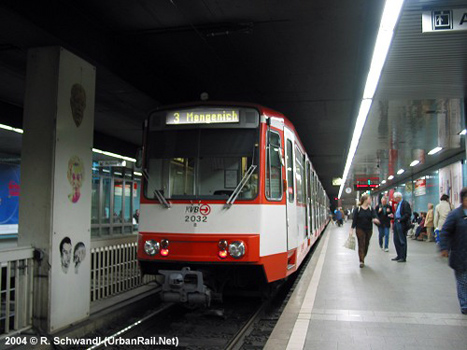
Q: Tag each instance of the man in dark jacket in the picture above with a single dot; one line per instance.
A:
(384, 212)
(401, 226)
(453, 243)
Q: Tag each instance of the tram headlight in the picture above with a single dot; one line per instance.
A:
(165, 244)
(222, 244)
(237, 249)
(151, 247)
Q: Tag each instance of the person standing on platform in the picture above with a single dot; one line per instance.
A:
(401, 226)
(441, 213)
(363, 218)
(453, 244)
(429, 223)
(384, 212)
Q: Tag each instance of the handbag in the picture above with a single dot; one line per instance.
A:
(350, 242)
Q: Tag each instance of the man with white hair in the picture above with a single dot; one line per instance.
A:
(401, 226)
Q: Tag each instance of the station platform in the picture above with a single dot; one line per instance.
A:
(385, 305)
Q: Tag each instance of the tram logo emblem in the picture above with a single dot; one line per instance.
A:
(442, 20)
(205, 209)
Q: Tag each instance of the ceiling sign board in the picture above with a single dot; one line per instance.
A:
(107, 163)
(444, 20)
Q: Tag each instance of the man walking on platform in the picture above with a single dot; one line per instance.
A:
(453, 243)
(401, 226)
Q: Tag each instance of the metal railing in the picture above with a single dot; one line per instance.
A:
(16, 288)
(114, 268)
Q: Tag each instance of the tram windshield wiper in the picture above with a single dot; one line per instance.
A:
(240, 186)
(160, 197)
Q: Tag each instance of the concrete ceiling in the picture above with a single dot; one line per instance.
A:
(306, 59)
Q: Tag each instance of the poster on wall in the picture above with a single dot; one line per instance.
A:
(420, 187)
(9, 199)
(71, 240)
(450, 182)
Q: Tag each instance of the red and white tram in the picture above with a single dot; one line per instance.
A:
(230, 199)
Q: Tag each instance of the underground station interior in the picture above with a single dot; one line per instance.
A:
(186, 173)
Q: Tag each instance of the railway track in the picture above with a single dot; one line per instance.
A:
(239, 323)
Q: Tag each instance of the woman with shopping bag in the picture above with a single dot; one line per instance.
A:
(363, 218)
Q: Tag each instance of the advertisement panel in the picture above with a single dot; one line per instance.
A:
(420, 187)
(9, 198)
(450, 182)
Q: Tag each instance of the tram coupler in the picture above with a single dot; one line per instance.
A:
(185, 286)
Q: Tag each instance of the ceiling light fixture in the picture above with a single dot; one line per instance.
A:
(114, 155)
(391, 12)
(383, 182)
(415, 162)
(137, 173)
(463, 132)
(400, 171)
(10, 128)
(391, 177)
(435, 150)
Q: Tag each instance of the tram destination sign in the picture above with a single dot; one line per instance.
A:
(211, 116)
(203, 117)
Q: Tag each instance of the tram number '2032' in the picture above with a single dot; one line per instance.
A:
(196, 218)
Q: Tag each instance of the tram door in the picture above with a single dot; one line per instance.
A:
(292, 229)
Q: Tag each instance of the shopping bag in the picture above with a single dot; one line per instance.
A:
(436, 234)
(350, 242)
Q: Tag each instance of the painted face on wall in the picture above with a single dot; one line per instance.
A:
(75, 177)
(79, 254)
(65, 253)
(78, 103)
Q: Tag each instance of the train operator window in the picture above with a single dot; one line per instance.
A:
(201, 163)
(290, 171)
(274, 167)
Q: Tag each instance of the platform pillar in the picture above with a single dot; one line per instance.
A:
(55, 202)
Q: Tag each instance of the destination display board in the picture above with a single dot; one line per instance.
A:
(209, 116)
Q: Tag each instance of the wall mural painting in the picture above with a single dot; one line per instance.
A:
(75, 177)
(79, 254)
(67, 251)
(78, 103)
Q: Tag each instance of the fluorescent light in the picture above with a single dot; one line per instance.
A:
(114, 155)
(435, 150)
(463, 132)
(400, 171)
(391, 12)
(383, 182)
(357, 133)
(137, 173)
(10, 128)
(415, 162)
(391, 177)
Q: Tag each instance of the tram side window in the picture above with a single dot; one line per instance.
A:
(300, 176)
(290, 171)
(274, 167)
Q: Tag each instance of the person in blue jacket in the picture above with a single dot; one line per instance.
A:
(453, 244)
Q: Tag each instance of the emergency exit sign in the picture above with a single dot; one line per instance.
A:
(444, 20)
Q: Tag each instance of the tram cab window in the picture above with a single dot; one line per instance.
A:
(274, 167)
(201, 163)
